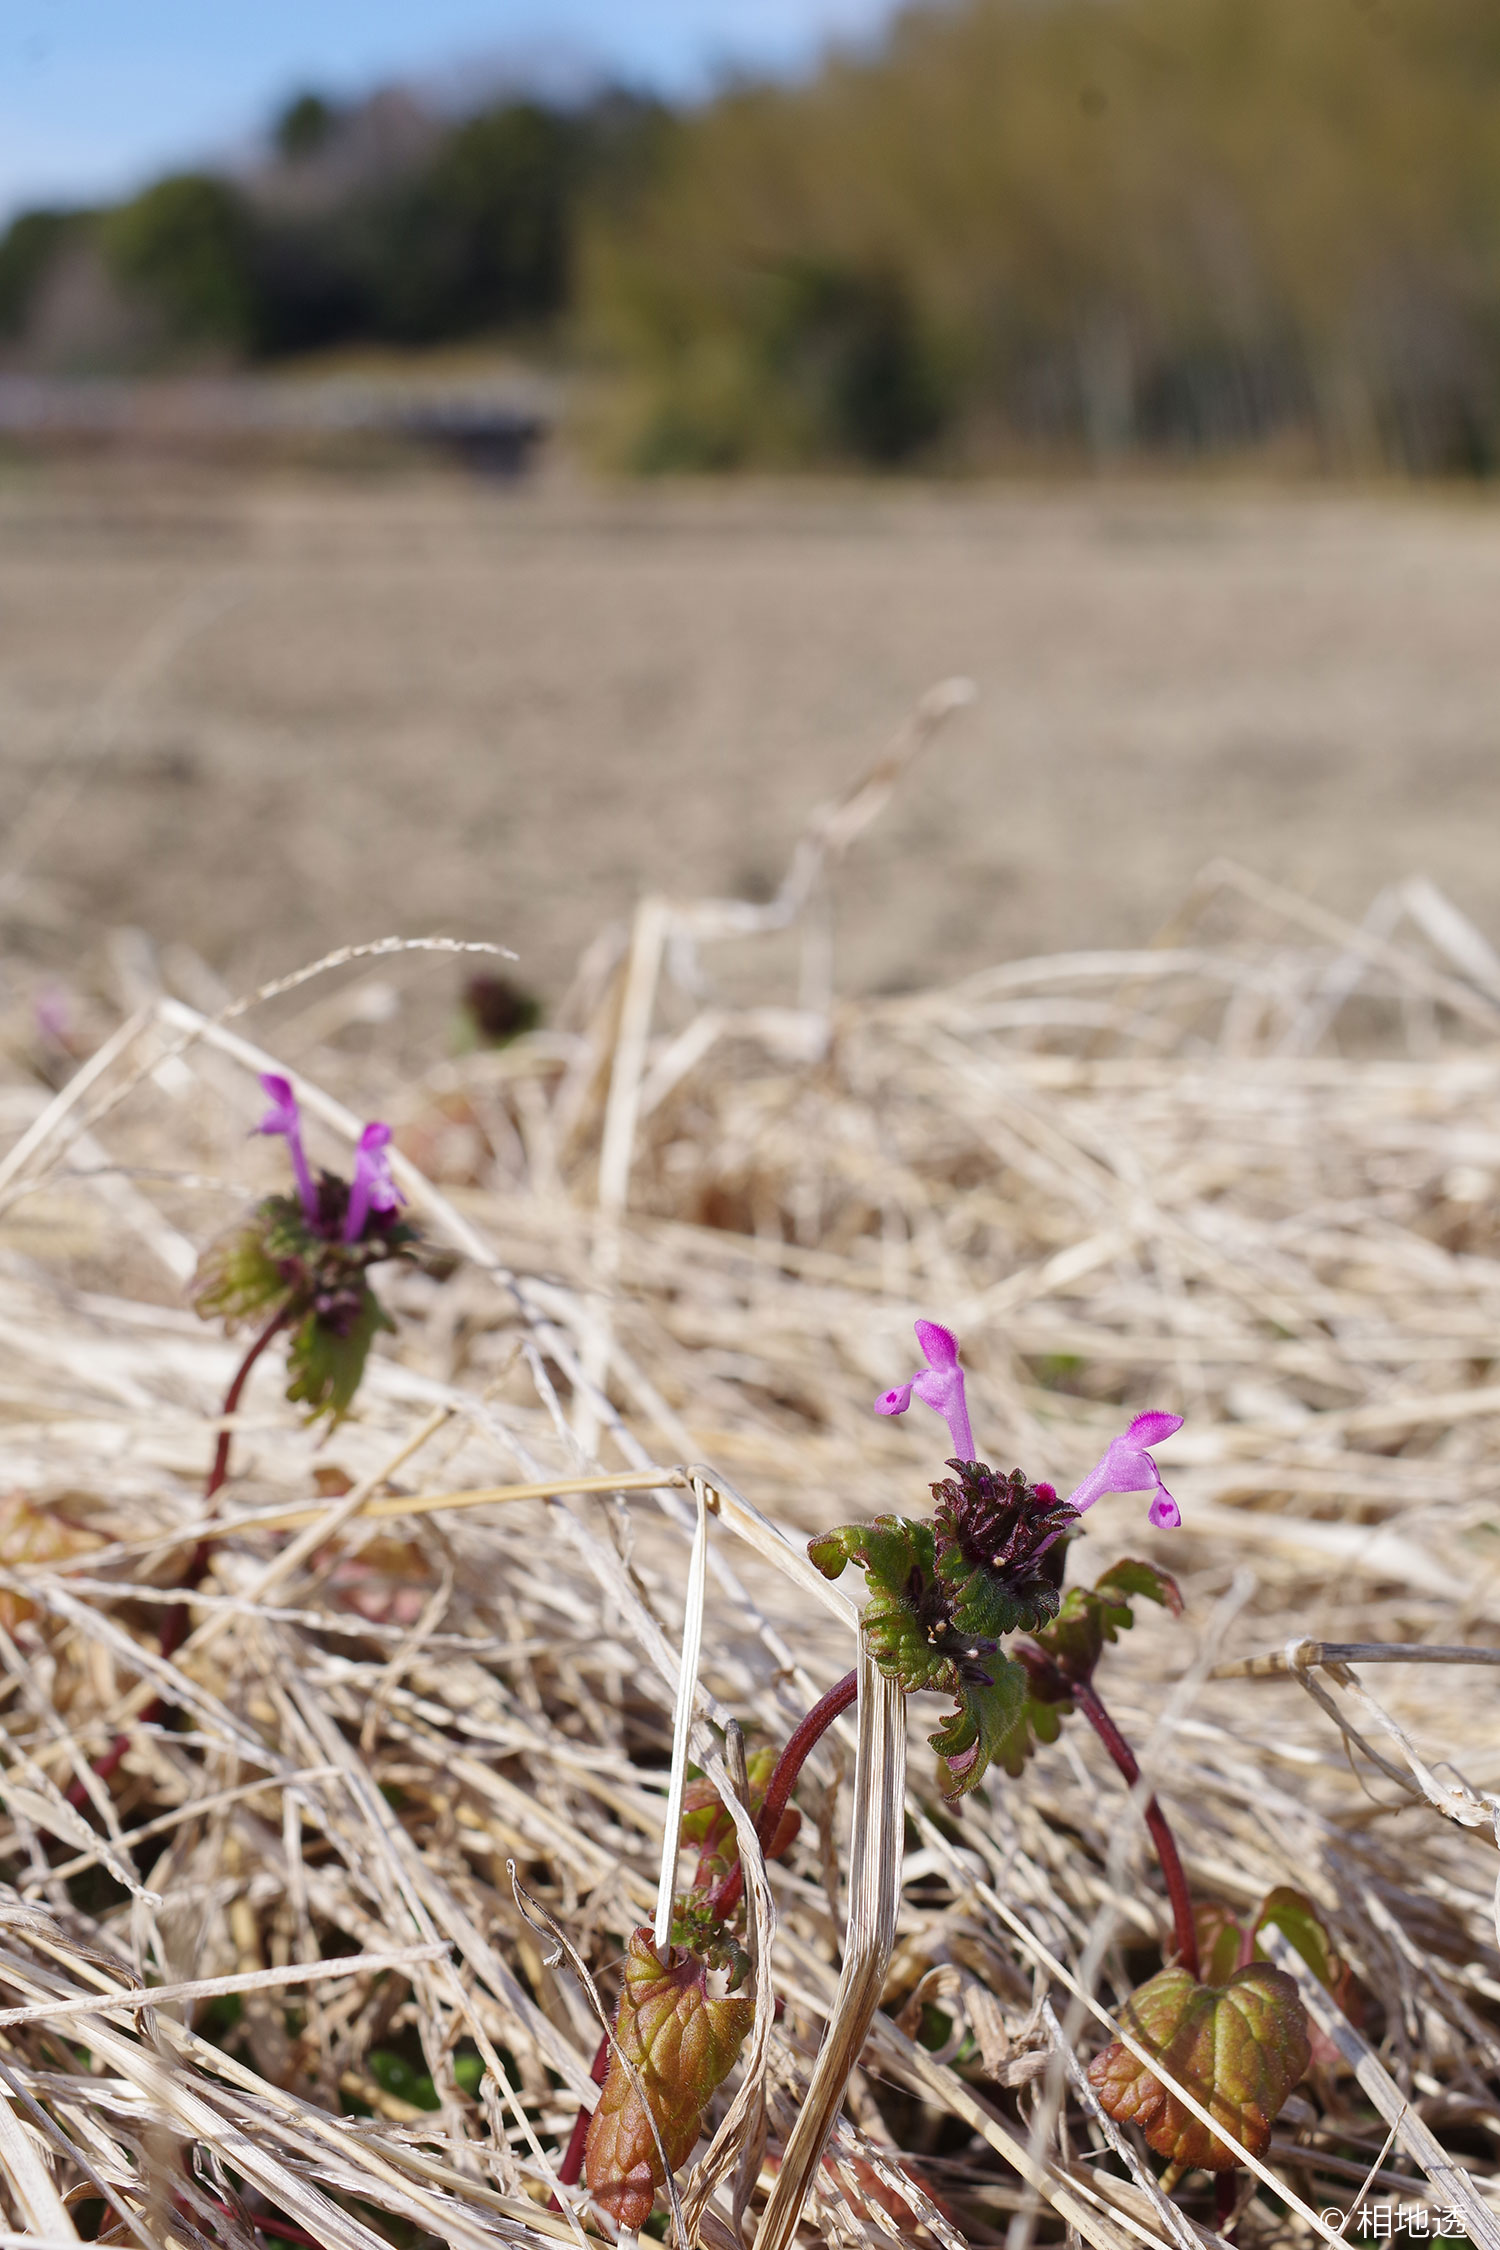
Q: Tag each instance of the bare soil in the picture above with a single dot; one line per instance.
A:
(269, 715)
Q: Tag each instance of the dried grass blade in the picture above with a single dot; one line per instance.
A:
(682, 1721)
(744, 2118)
(875, 1855)
(30, 2178)
(1455, 2186)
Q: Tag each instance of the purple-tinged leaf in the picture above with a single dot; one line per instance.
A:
(1238, 2047)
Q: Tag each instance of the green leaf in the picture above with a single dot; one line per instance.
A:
(905, 1620)
(1223, 1942)
(990, 1702)
(238, 1275)
(327, 1358)
(1034, 1723)
(1294, 1914)
(1090, 1618)
(1129, 1577)
(1239, 2047)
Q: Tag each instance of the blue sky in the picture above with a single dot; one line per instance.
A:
(98, 94)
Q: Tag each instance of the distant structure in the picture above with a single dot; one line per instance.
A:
(492, 425)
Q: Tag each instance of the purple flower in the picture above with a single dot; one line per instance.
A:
(54, 1016)
(372, 1189)
(1126, 1466)
(284, 1117)
(940, 1385)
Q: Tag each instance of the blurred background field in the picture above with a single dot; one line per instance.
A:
(470, 498)
(263, 716)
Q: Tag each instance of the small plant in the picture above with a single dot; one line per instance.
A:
(305, 1260)
(967, 1602)
(944, 1594)
(298, 1263)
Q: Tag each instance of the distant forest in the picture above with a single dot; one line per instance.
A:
(1013, 230)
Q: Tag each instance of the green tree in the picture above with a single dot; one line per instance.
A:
(1096, 225)
(30, 246)
(185, 245)
(482, 239)
(303, 127)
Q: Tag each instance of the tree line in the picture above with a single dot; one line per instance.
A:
(1010, 230)
(375, 224)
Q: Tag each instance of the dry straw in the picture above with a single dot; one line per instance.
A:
(1248, 1173)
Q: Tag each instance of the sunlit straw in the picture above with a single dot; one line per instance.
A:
(687, 1689)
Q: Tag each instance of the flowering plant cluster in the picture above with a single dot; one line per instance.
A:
(304, 1259)
(945, 1593)
(968, 1601)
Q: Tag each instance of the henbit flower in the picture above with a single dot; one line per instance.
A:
(372, 1188)
(285, 1118)
(54, 1015)
(940, 1385)
(1126, 1466)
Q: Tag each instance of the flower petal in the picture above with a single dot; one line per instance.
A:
(939, 1345)
(372, 1188)
(284, 1117)
(894, 1402)
(1126, 1466)
(1153, 1428)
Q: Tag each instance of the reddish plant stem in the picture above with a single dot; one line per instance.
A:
(570, 2171)
(784, 1780)
(1086, 1696)
(1226, 2196)
(174, 1628)
(281, 2229)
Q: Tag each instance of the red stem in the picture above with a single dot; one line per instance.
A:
(1226, 2196)
(1086, 1696)
(174, 1628)
(570, 2171)
(282, 2229)
(783, 1781)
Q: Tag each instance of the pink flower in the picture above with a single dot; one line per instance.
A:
(285, 1118)
(940, 1385)
(1126, 1466)
(372, 1188)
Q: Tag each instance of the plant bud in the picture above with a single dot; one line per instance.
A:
(683, 2036)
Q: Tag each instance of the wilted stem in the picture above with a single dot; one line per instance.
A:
(1086, 1696)
(174, 1627)
(784, 1780)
